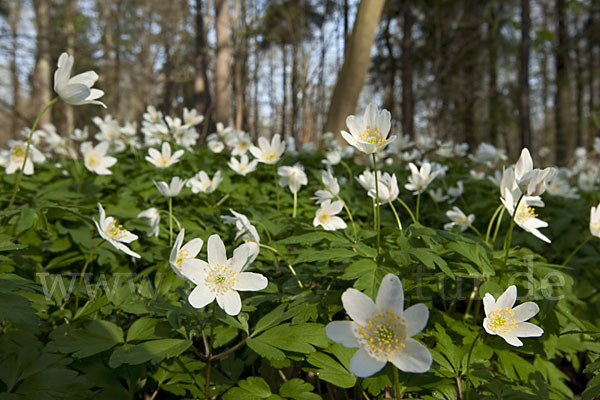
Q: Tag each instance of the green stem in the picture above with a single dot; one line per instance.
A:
(491, 223)
(210, 349)
(347, 170)
(498, 223)
(87, 262)
(276, 184)
(418, 205)
(295, 276)
(20, 173)
(396, 215)
(508, 239)
(171, 221)
(412, 216)
(398, 389)
(378, 207)
(295, 204)
(268, 247)
(468, 383)
(576, 250)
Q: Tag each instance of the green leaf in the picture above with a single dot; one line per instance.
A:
(298, 338)
(153, 350)
(313, 237)
(95, 337)
(148, 328)
(331, 371)
(297, 389)
(335, 253)
(253, 388)
(265, 350)
(271, 319)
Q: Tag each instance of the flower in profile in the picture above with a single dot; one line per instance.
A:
(437, 195)
(242, 166)
(268, 153)
(172, 189)
(292, 177)
(95, 158)
(532, 182)
(382, 330)
(326, 216)
(458, 218)
(456, 191)
(114, 234)
(163, 159)
(595, 221)
(243, 225)
(154, 218)
(388, 188)
(369, 134)
(13, 160)
(78, 89)
(216, 146)
(332, 188)
(202, 183)
(420, 178)
(221, 278)
(180, 253)
(507, 321)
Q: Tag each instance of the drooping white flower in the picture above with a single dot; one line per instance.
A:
(268, 153)
(179, 253)
(388, 188)
(293, 177)
(13, 160)
(420, 178)
(172, 189)
(525, 215)
(243, 225)
(332, 188)
(326, 216)
(153, 217)
(595, 221)
(202, 183)
(438, 195)
(163, 159)
(507, 321)
(221, 278)
(78, 89)
(456, 191)
(532, 182)
(458, 218)
(366, 180)
(242, 166)
(369, 134)
(95, 158)
(382, 330)
(114, 234)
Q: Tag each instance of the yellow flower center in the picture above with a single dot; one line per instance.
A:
(324, 217)
(18, 153)
(115, 231)
(181, 255)
(525, 212)
(221, 279)
(501, 321)
(383, 335)
(596, 225)
(462, 220)
(164, 161)
(93, 160)
(373, 136)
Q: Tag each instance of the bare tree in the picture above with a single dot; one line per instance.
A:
(562, 112)
(223, 62)
(42, 70)
(14, 16)
(524, 120)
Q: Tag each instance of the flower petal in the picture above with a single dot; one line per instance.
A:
(250, 281)
(216, 251)
(195, 270)
(201, 297)
(414, 357)
(527, 329)
(390, 295)
(231, 302)
(508, 298)
(358, 306)
(363, 365)
(416, 317)
(525, 311)
(489, 303)
(512, 340)
(342, 332)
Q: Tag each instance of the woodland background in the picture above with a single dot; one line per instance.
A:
(512, 73)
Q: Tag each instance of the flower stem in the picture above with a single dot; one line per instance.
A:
(87, 262)
(20, 173)
(412, 216)
(498, 223)
(295, 276)
(171, 221)
(491, 223)
(295, 204)
(268, 247)
(398, 389)
(576, 250)
(210, 349)
(468, 383)
(396, 215)
(508, 239)
(377, 209)
(418, 205)
(276, 185)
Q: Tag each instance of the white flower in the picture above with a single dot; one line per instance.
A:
(488, 154)
(292, 177)
(95, 158)
(559, 186)
(268, 153)
(78, 89)
(80, 135)
(508, 322)
(326, 216)
(216, 146)
(366, 180)
(202, 183)
(420, 178)
(332, 188)
(15, 156)
(191, 117)
(532, 182)
(587, 180)
(243, 225)
(172, 189)
(369, 134)
(437, 195)
(115, 234)
(388, 188)
(478, 175)
(525, 215)
(456, 191)
(221, 278)
(154, 218)
(333, 157)
(179, 253)
(242, 144)
(382, 331)
(242, 167)
(186, 137)
(595, 221)
(458, 218)
(164, 158)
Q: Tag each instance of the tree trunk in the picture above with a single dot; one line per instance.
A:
(41, 92)
(284, 89)
(240, 60)
(562, 112)
(222, 63)
(15, 15)
(524, 120)
(69, 117)
(294, 91)
(389, 92)
(494, 101)
(579, 76)
(356, 64)
(201, 89)
(408, 101)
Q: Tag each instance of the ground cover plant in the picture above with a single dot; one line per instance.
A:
(140, 265)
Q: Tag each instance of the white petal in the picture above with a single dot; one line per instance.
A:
(526, 329)
(87, 78)
(216, 251)
(125, 249)
(525, 311)
(176, 245)
(512, 340)
(370, 117)
(349, 138)
(489, 303)
(363, 365)
(74, 93)
(342, 332)
(193, 247)
(414, 357)
(195, 270)
(416, 317)
(250, 281)
(486, 326)
(508, 298)
(231, 302)
(390, 295)
(358, 306)
(355, 125)
(200, 297)
(63, 72)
